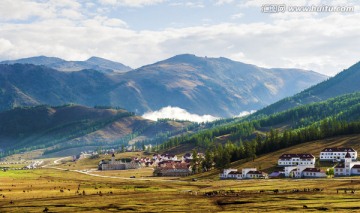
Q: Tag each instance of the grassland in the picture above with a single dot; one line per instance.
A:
(35, 190)
(112, 191)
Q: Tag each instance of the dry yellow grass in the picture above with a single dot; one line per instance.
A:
(35, 190)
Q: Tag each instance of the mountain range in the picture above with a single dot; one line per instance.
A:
(216, 86)
(59, 64)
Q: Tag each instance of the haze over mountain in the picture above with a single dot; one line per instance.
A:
(94, 63)
(216, 86)
(344, 82)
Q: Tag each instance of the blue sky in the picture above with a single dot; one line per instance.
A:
(139, 32)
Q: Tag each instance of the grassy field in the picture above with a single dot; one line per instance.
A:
(66, 189)
(35, 190)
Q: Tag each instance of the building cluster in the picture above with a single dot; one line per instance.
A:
(117, 164)
(300, 166)
(164, 164)
(303, 166)
(170, 165)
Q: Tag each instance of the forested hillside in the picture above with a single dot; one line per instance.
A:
(345, 82)
(63, 127)
(248, 138)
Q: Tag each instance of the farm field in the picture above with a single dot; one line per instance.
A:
(65, 191)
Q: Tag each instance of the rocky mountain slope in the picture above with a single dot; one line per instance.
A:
(201, 85)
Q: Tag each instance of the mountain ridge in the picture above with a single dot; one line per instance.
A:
(69, 125)
(343, 83)
(96, 63)
(216, 86)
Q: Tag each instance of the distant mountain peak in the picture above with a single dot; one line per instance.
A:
(98, 59)
(95, 63)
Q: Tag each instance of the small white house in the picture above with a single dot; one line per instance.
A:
(313, 173)
(169, 157)
(296, 171)
(252, 173)
(247, 170)
(337, 154)
(355, 170)
(256, 175)
(296, 159)
(246, 173)
(225, 173)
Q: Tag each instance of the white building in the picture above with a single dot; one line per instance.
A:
(256, 175)
(164, 157)
(349, 167)
(117, 165)
(296, 159)
(226, 172)
(246, 173)
(297, 171)
(337, 154)
(189, 156)
(313, 173)
(355, 170)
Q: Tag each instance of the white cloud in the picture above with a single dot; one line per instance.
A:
(221, 2)
(5, 45)
(179, 114)
(327, 43)
(188, 4)
(237, 16)
(23, 9)
(245, 113)
(131, 3)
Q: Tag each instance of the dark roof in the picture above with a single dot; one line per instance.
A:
(168, 155)
(312, 170)
(187, 155)
(340, 165)
(256, 172)
(338, 149)
(357, 166)
(233, 172)
(301, 156)
(276, 174)
(347, 155)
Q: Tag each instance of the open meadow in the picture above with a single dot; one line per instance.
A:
(67, 186)
(70, 191)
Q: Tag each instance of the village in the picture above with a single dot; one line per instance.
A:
(163, 164)
(292, 165)
(339, 162)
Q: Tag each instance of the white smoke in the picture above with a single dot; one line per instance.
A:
(245, 113)
(179, 114)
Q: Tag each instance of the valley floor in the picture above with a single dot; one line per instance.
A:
(66, 186)
(66, 191)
